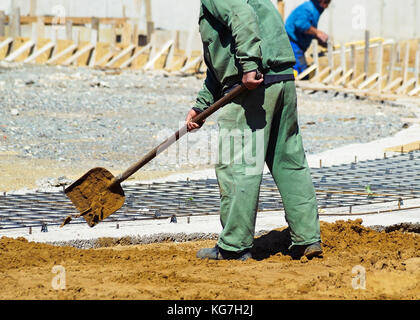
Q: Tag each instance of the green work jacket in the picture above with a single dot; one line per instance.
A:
(240, 36)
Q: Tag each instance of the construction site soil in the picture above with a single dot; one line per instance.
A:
(390, 260)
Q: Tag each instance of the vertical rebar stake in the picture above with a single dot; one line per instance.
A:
(400, 202)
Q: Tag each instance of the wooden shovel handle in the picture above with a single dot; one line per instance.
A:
(175, 137)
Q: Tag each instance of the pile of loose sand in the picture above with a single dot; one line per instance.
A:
(171, 271)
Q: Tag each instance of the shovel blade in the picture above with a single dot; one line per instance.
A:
(92, 196)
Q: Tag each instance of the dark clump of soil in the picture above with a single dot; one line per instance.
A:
(402, 227)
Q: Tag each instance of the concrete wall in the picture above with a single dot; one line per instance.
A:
(167, 14)
(345, 20)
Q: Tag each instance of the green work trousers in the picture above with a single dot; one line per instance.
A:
(259, 127)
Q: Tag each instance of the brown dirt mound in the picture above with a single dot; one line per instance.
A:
(171, 271)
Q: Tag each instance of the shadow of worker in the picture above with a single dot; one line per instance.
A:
(253, 105)
(272, 243)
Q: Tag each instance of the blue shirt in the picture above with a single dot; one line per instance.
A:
(300, 20)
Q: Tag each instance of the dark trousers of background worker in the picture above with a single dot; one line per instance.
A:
(301, 64)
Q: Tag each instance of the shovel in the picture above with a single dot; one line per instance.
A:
(98, 194)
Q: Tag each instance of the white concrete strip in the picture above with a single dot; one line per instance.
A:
(37, 53)
(364, 151)
(62, 53)
(368, 81)
(136, 55)
(266, 221)
(104, 59)
(78, 54)
(6, 42)
(15, 54)
(191, 64)
(342, 155)
(120, 55)
(415, 91)
(150, 64)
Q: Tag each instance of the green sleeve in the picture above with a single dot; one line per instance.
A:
(209, 93)
(241, 19)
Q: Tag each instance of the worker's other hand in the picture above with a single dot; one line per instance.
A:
(322, 36)
(324, 45)
(249, 79)
(192, 125)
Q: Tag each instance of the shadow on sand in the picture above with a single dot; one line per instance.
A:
(276, 241)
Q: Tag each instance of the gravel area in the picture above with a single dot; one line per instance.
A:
(79, 114)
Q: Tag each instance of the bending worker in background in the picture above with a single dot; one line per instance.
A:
(302, 28)
(260, 126)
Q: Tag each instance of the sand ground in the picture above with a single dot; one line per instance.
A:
(19, 173)
(358, 263)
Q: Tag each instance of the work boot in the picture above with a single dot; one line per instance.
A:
(218, 253)
(309, 251)
(313, 250)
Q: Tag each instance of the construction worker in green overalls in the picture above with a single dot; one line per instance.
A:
(242, 38)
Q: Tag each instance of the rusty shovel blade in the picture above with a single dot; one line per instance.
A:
(93, 196)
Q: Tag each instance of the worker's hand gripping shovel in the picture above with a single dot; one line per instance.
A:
(98, 194)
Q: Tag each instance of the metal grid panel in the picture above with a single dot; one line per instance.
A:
(369, 182)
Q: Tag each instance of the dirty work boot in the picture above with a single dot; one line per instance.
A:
(309, 251)
(217, 253)
(313, 250)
